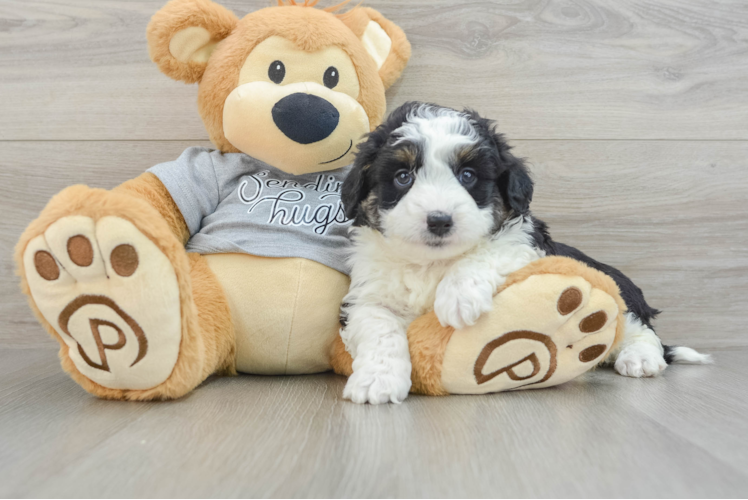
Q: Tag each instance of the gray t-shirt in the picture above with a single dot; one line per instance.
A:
(234, 203)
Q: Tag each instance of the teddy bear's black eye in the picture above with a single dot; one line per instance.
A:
(276, 72)
(331, 77)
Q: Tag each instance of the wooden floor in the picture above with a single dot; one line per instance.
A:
(633, 115)
(680, 435)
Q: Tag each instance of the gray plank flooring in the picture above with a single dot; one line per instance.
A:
(602, 435)
(633, 117)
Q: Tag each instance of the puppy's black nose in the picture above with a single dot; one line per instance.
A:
(305, 118)
(439, 223)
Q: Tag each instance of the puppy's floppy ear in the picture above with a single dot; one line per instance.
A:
(357, 186)
(184, 33)
(383, 40)
(355, 190)
(515, 183)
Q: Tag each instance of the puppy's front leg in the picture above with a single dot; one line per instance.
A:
(467, 290)
(464, 294)
(376, 339)
(641, 353)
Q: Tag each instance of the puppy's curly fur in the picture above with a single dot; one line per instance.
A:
(441, 211)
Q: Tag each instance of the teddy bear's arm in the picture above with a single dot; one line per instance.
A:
(148, 187)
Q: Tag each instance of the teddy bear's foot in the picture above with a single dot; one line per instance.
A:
(541, 332)
(112, 297)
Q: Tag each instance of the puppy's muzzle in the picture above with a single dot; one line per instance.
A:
(439, 223)
(305, 118)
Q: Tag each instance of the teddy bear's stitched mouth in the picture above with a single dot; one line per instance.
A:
(339, 157)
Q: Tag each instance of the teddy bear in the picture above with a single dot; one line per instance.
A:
(233, 259)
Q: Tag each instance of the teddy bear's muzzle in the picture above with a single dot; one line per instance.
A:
(299, 128)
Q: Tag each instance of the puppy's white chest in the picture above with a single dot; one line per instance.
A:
(412, 289)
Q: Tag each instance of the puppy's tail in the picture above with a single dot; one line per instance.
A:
(686, 355)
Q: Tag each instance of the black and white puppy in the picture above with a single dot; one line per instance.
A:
(441, 217)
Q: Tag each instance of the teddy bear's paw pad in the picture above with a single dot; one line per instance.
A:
(111, 295)
(541, 332)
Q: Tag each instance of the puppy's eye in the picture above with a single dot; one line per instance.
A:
(467, 177)
(403, 178)
(331, 77)
(276, 72)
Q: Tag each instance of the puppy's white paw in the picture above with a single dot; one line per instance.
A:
(372, 384)
(640, 360)
(460, 302)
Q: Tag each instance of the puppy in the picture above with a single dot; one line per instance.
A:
(440, 211)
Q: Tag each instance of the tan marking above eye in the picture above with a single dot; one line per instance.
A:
(299, 65)
(46, 265)
(80, 250)
(407, 155)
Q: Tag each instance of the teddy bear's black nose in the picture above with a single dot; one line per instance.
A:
(305, 118)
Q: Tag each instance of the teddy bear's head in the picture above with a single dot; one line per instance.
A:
(293, 85)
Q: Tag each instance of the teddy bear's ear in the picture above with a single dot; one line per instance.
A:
(184, 33)
(383, 40)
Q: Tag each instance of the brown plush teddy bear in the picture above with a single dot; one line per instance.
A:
(233, 259)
